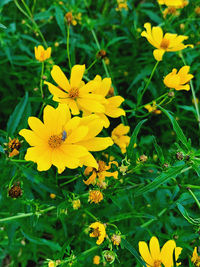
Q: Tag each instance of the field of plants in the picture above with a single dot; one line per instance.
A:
(99, 136)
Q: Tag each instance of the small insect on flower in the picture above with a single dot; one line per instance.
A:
(64, 135)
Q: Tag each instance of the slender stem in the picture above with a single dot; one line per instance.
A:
(91, 215)
(18, 160)
(152, 220)
(71, 180)
(30, 16)
(193, 93)
(195, 198)
(92, 64)
(23, 215)
(148, 82)
(41, 80)
(68, 54)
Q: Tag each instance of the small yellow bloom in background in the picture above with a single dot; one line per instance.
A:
(111, 105)
(180, 80)
(51, 264)
(96, 260)
(197, 10)
(75, 93)
(76, 204)
(170, 42)
(116, 239)
(195, 258)
(52, 196)
(120, 138)
(154, 257)
(95, 196)
(99, 231)
(152, 108)
(41, 54)
(98, 175)
(171, 11)
(13, 147)
(121, 4)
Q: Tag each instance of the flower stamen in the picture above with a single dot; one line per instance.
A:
(55, 141)
(74, 93)
(157, 263)
(164, 44)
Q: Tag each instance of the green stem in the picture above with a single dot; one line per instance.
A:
(193, 93)
(68, 54)
(195, 198)
(71, 180)
(148, 82)
(41, 80)
(92, 64)
(18, 160)
(152, 220)
(24, 215)
(30, 16)
(91, 215)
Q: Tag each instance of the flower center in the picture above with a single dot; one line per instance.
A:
(55, 141)
(164, 44)
(96, 232)
(157, 263)
(73, 93)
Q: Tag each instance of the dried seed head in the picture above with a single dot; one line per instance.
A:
(15, 191)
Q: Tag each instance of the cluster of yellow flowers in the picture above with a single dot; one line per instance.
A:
(172, 6)
(65, 141)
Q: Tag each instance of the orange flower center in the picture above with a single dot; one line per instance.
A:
(55, 141)
(95, 196)
(73, 93)
(96, 232)
(157, 263)
(164, 44)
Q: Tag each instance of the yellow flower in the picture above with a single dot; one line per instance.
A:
(13, 147)
(98, 231)
(171, 10)
(52, 196)
(76, 94)
(41, 54)
(174, 3)
(55, 142)
(101, 173)
(152, 108)
(170, 42)
(76, 204)
(155, 257)
(95, 196)
(122, 4)
(96, 260)
(116, 239)
(111, 105)
(120, 138)
(195, 258)
(179, 81)
(51, 264)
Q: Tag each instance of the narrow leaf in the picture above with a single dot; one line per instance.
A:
(60, 20)
(16, 116)
(186, 216)
(158, 151)
(162, 178)
(133, 139)
(130, 248)
(176, 128)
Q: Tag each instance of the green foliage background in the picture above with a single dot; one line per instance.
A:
(150, 200)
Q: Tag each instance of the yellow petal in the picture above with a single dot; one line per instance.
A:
(158, 54)
(97, 143)
(154, 248)
(77, 75)
(31, 137)
(41, 156)
(89, 161)
(77, 134)
(157, 35)
(167, 253)
(38, 127)
(144, 252)
(55, 91)
(74, 107)
(60, 78)
(91, 105)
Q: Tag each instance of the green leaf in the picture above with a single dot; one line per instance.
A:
(133, 139)
(130, 248)
(60, 20)
(158, 151)
(16, 116)
(41, 241)
(176, 128)
(183, 211)
(2, 26)
(2, 150)
(162, 178)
